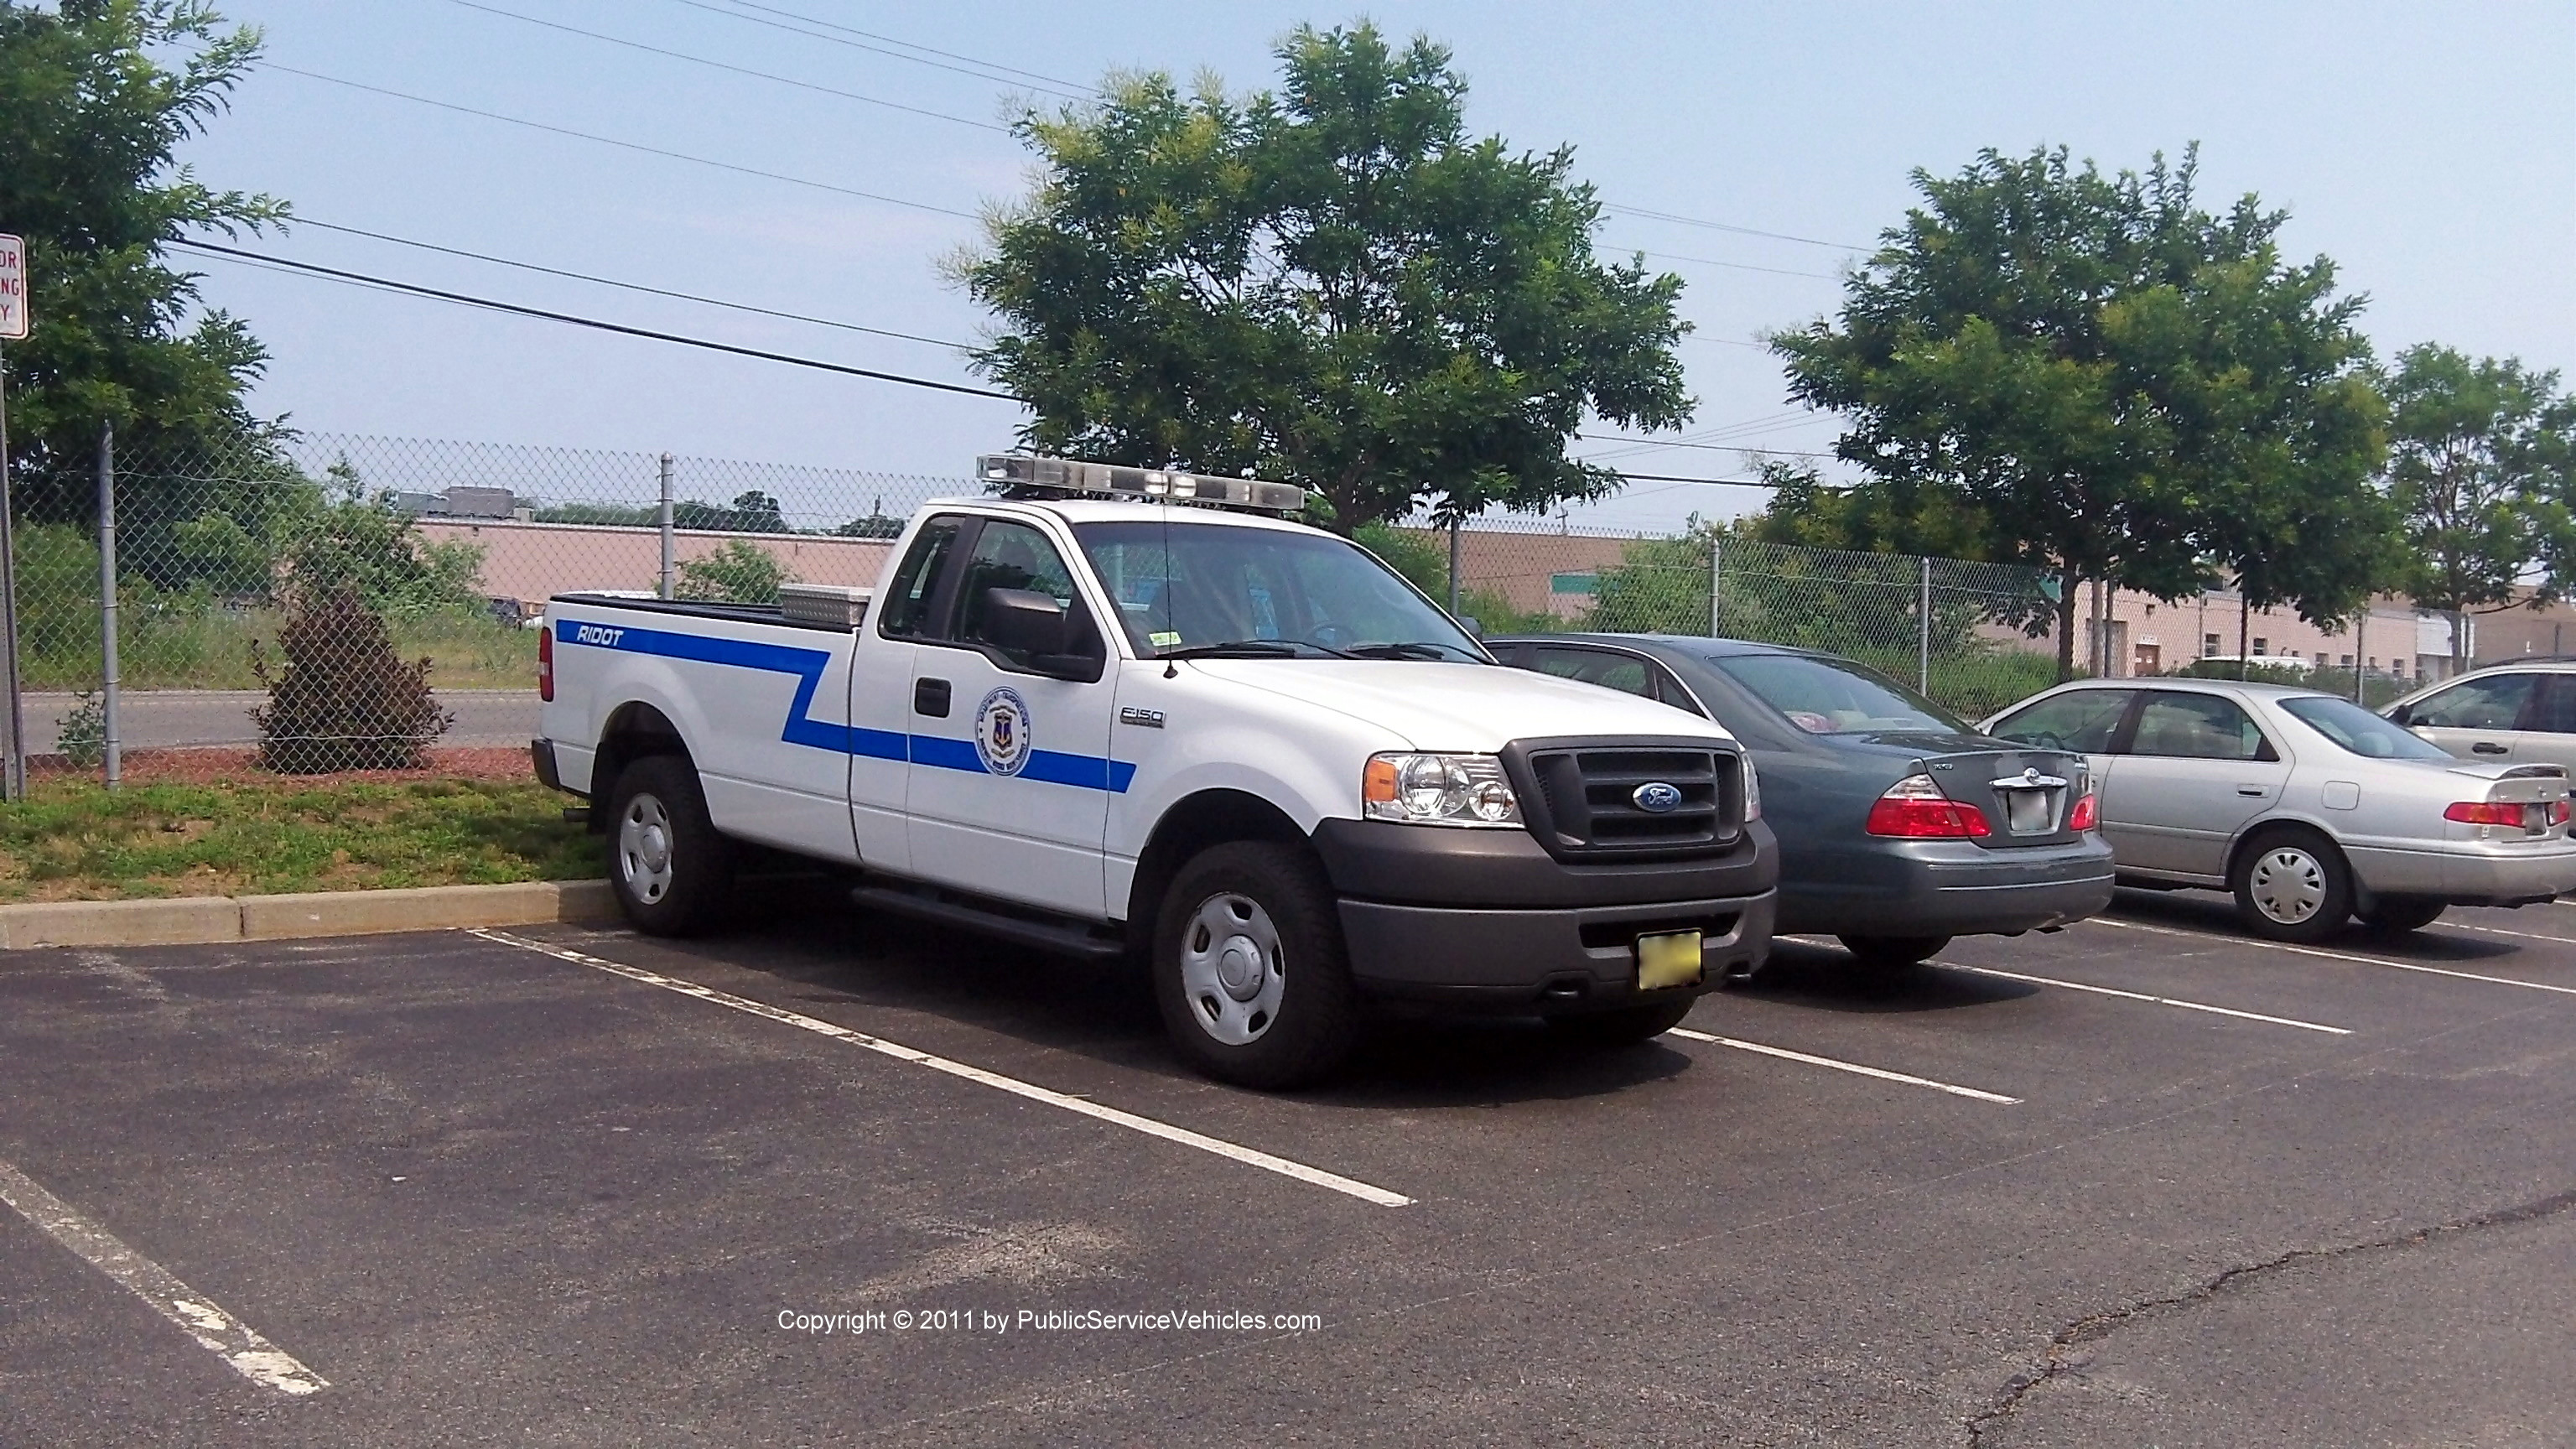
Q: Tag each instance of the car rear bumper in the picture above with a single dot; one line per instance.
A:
(2466, 876)
(1948, 888)
(1487, 919)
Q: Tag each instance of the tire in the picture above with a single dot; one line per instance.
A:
(1625, 1026)
(1249, 967)
(1892, 955)
(2291, 885)
(2397, 915)
(671, 869)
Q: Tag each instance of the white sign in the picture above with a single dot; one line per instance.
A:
(13, 289)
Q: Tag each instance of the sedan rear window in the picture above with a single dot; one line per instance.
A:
(2348, 726)
(1835, 696)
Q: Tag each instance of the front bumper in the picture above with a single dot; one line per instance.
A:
(1488, 920)
(2466, 875)
(1946, 888)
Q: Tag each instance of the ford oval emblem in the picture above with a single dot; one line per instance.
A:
(1657, 798)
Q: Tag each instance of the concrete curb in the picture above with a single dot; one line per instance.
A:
(203, 920)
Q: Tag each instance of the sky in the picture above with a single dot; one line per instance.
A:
(2429, 150)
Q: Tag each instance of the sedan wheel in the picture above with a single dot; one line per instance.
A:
(2291, 886)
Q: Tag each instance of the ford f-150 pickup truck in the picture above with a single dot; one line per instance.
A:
(1116, 711)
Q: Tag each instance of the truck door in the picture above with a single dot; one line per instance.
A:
(1007, 792)
(882, 697)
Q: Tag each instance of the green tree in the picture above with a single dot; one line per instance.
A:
(739, 572)
(92, 118)
(1335, 286)
(2110, 381)
(2482, 469)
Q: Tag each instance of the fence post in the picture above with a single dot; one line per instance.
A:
(1453, 566)
(113, 757)
(1923, 647)
(1716, 576)
(13, 771)
(668, 559)
(2360, 629)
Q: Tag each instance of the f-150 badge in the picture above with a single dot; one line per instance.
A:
(1002, 731)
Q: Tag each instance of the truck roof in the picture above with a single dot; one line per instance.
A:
(1087, 510)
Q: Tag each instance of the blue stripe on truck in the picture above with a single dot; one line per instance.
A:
(1086, 772)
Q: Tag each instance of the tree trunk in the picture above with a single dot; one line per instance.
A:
(2244, 628)
(2067, 596)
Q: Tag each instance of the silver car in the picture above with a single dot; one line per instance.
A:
(2523, 712)
(2308, 807)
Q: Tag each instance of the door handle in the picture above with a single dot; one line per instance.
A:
(930, 697)
(2487, 747)
(2255, 790)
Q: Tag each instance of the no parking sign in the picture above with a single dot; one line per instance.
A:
(13, 289)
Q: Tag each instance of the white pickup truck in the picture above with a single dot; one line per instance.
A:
(1280, 775)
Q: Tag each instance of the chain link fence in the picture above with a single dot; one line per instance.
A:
(342, 602)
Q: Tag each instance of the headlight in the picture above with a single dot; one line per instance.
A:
(1438, 790)
(1752, 788)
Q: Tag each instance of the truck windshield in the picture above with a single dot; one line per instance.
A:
(1185, 586)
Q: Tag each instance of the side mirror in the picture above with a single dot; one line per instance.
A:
(1472, 625)
(1024, 622)
(2399, 714)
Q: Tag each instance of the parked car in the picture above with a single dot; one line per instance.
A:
(2309, 808)
(2524, 712)
(1899, 826)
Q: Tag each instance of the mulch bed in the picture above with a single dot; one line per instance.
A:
(214, 765)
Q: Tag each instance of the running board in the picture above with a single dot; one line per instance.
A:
(1067, 938)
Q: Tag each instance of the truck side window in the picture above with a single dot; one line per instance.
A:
(905, 611)
(1015, 556)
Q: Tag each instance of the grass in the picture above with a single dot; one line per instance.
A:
(210, 648)
(73, 840)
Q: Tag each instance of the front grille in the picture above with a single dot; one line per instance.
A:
(1585, 798)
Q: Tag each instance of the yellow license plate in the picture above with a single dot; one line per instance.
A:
(1670, 960)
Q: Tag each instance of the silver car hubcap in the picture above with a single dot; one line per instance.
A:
(2288, 885)
(1231, 970)
(644, 849)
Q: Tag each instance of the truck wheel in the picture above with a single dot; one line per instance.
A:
(1249, 967)
(671, 869)
(1891, 955)
(2291, 886)
(2397, 915)
(1624, 1026)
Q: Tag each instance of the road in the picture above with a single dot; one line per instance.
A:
(2141, 1182)
(165, 718)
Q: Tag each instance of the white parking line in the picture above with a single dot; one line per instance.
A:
(2157, 1000)
(2500, 931)
(1853, 1067)
(221, 1334)
(2339, 956)
(1147, 1125)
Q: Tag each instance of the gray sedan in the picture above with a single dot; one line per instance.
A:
(2307, 807)
(1899, 827)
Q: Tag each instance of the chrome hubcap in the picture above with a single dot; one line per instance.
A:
(644, 848)
(2288, 885)
(1231, 970)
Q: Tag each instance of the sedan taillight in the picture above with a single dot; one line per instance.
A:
(1915, 809)
(546, 665)
(2486, 812)
(2087, 815)
(2559, 812)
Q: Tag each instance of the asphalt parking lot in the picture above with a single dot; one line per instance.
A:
(2141, 1182)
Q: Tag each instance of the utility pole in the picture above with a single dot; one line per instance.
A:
(1716, 594)
(1453, 566)
(114, 753)
(1923, 641)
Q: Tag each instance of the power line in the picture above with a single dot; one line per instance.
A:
(1071, 90)
(1730, 227)
(721, 65)
(490, 304)
(626, 286)
(1714, 262)
(621, 145)
(1703, 447)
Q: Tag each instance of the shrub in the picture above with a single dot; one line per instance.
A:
(341, 699)
(82, 738)
(738, 572)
